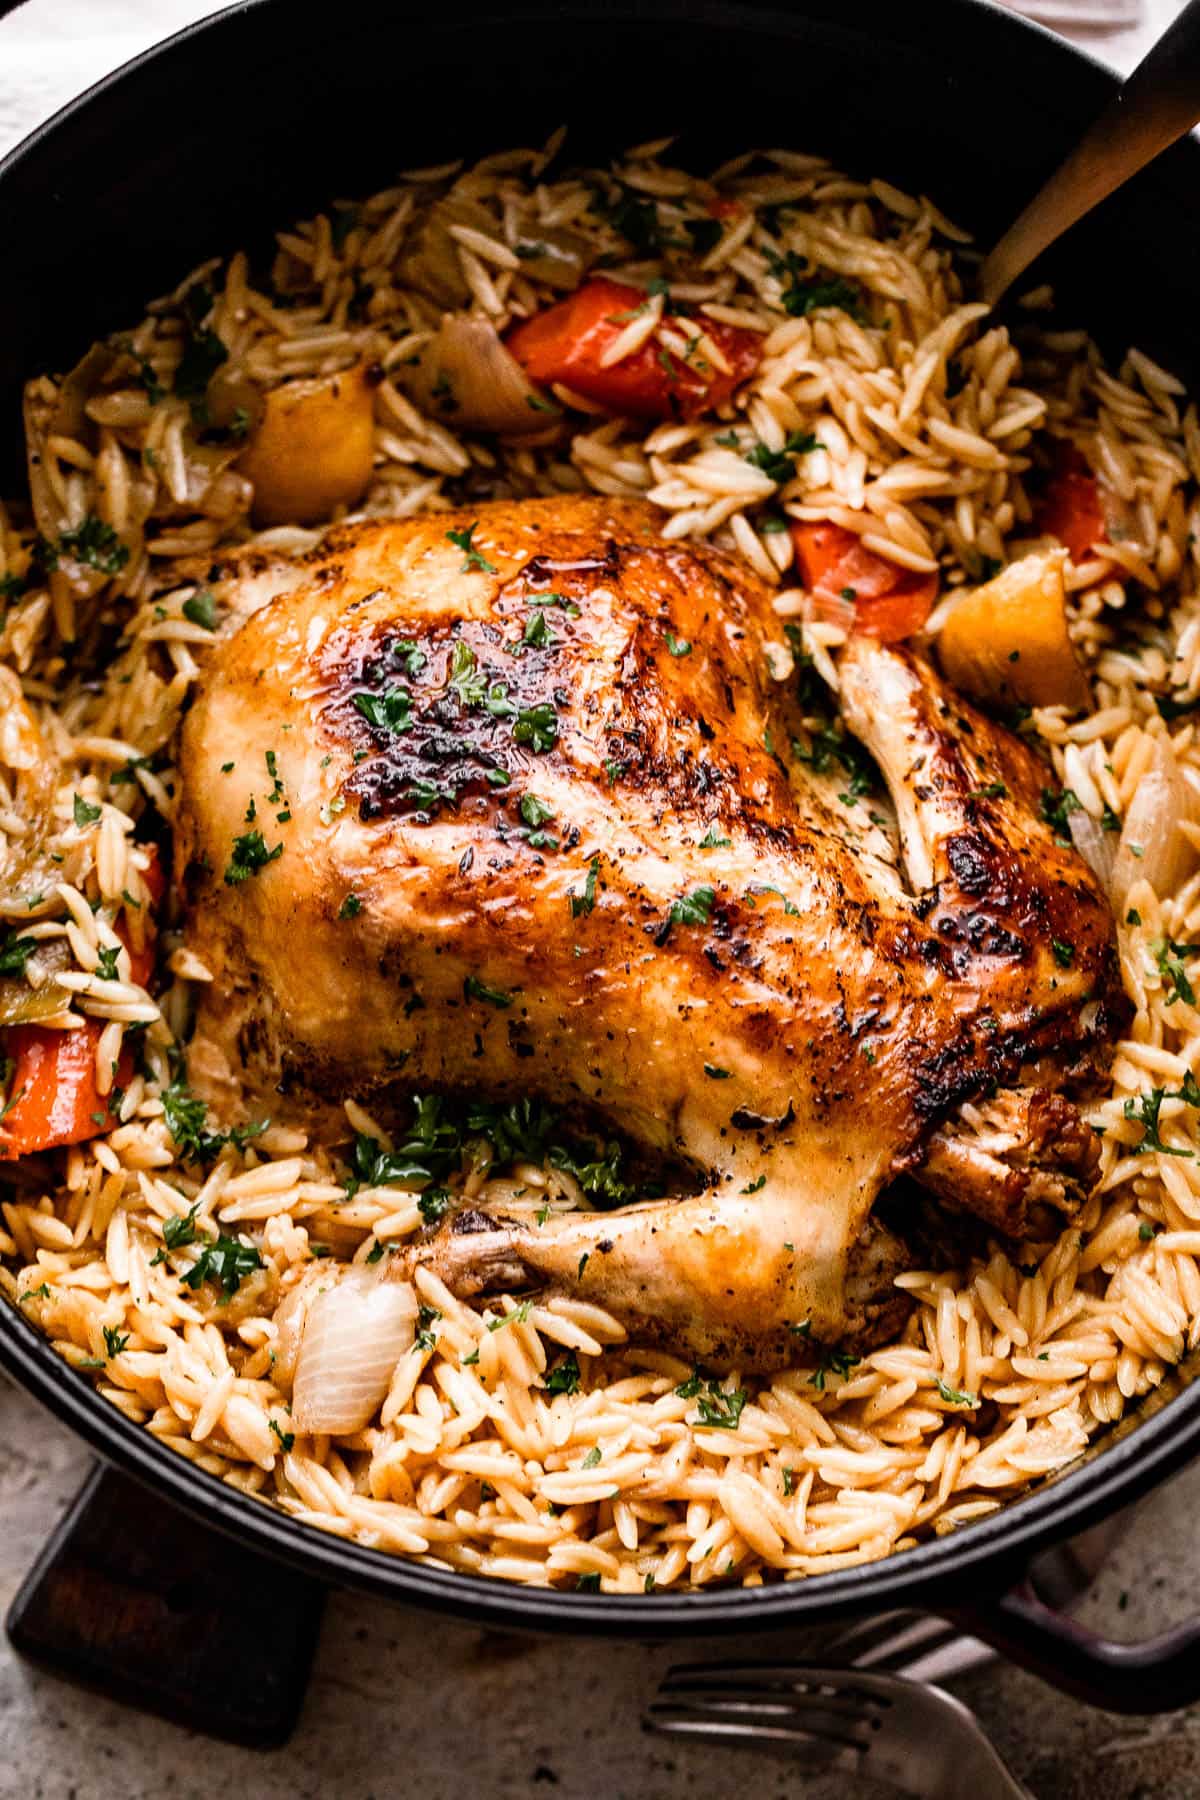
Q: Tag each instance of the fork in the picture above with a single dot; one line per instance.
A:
(919, 1738)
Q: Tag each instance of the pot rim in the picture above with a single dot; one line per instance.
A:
(993, 1549)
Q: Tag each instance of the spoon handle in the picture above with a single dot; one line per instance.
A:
(1159, 103)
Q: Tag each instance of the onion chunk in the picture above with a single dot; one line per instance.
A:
(355, 1333)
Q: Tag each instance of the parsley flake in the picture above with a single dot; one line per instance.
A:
(473, 559)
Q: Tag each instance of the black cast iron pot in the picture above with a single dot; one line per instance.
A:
(266, 112)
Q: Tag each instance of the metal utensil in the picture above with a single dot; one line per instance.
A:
(922, 1740)
(1158, 104)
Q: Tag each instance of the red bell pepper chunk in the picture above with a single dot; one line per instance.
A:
(1072, 508)
(55, 1099)
(889, 602)
(566, 342)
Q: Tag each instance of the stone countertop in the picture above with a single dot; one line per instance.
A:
(400, 1703)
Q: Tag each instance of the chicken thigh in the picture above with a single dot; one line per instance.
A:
(522, 802)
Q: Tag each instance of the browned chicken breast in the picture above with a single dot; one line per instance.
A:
(519, 804)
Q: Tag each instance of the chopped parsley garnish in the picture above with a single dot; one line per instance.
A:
(677, 646)
(465, 677)
(178, 1231)
(41, 1292)
(473, 559)
(91, 542)
(637, 220)
(712, 839)
(833, 1362)
(350, 908)
(426, 1339)
(391, 711)
(226, 1262)
(426, 796)
(187, 1121)
(106, 966)
(563, 1378)
(537, 726)
(952, 1397)
(15, 952)
(752, 1187)
(1057, 807)
(591, 1461)
(614, 770)
(287, 1439)
(800, 297)
(524, 1130)
(551, 599)
(716, 1408)
(583, 904)
(720, 1410)
(535, 812)
(474, 989)
(1168, 955)
(715, 1072)
(779, 466)
(84, 812)
(537, 633)
(114, 1340)
(694, 908)
(203, 353)
(992, 790)
(1145, 1110)
(433, 1204)
(827, 746)
(276, 797)
(1064, 953)
(250, 854)
(518, 1316)
(376, 1167)
(201, 609)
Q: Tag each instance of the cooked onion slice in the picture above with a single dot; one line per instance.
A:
(555, 255)
(312, 448)
(1008, 639)
(354, 1335)
(32, 769)
(1152, 847)
(469, 378)
(1096, 846)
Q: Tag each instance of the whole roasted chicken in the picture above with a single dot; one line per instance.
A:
(525, 801)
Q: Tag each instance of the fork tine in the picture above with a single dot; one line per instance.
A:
(802, 1677)
(791, 1696)
(755, 1724)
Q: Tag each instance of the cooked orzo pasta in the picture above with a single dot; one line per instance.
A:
(823, 365)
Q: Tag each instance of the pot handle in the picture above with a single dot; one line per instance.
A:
(1160, 1674)
(135, 1600)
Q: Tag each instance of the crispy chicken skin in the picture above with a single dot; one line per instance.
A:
(797, 1036)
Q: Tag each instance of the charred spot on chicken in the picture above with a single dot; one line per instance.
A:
(622, 878)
